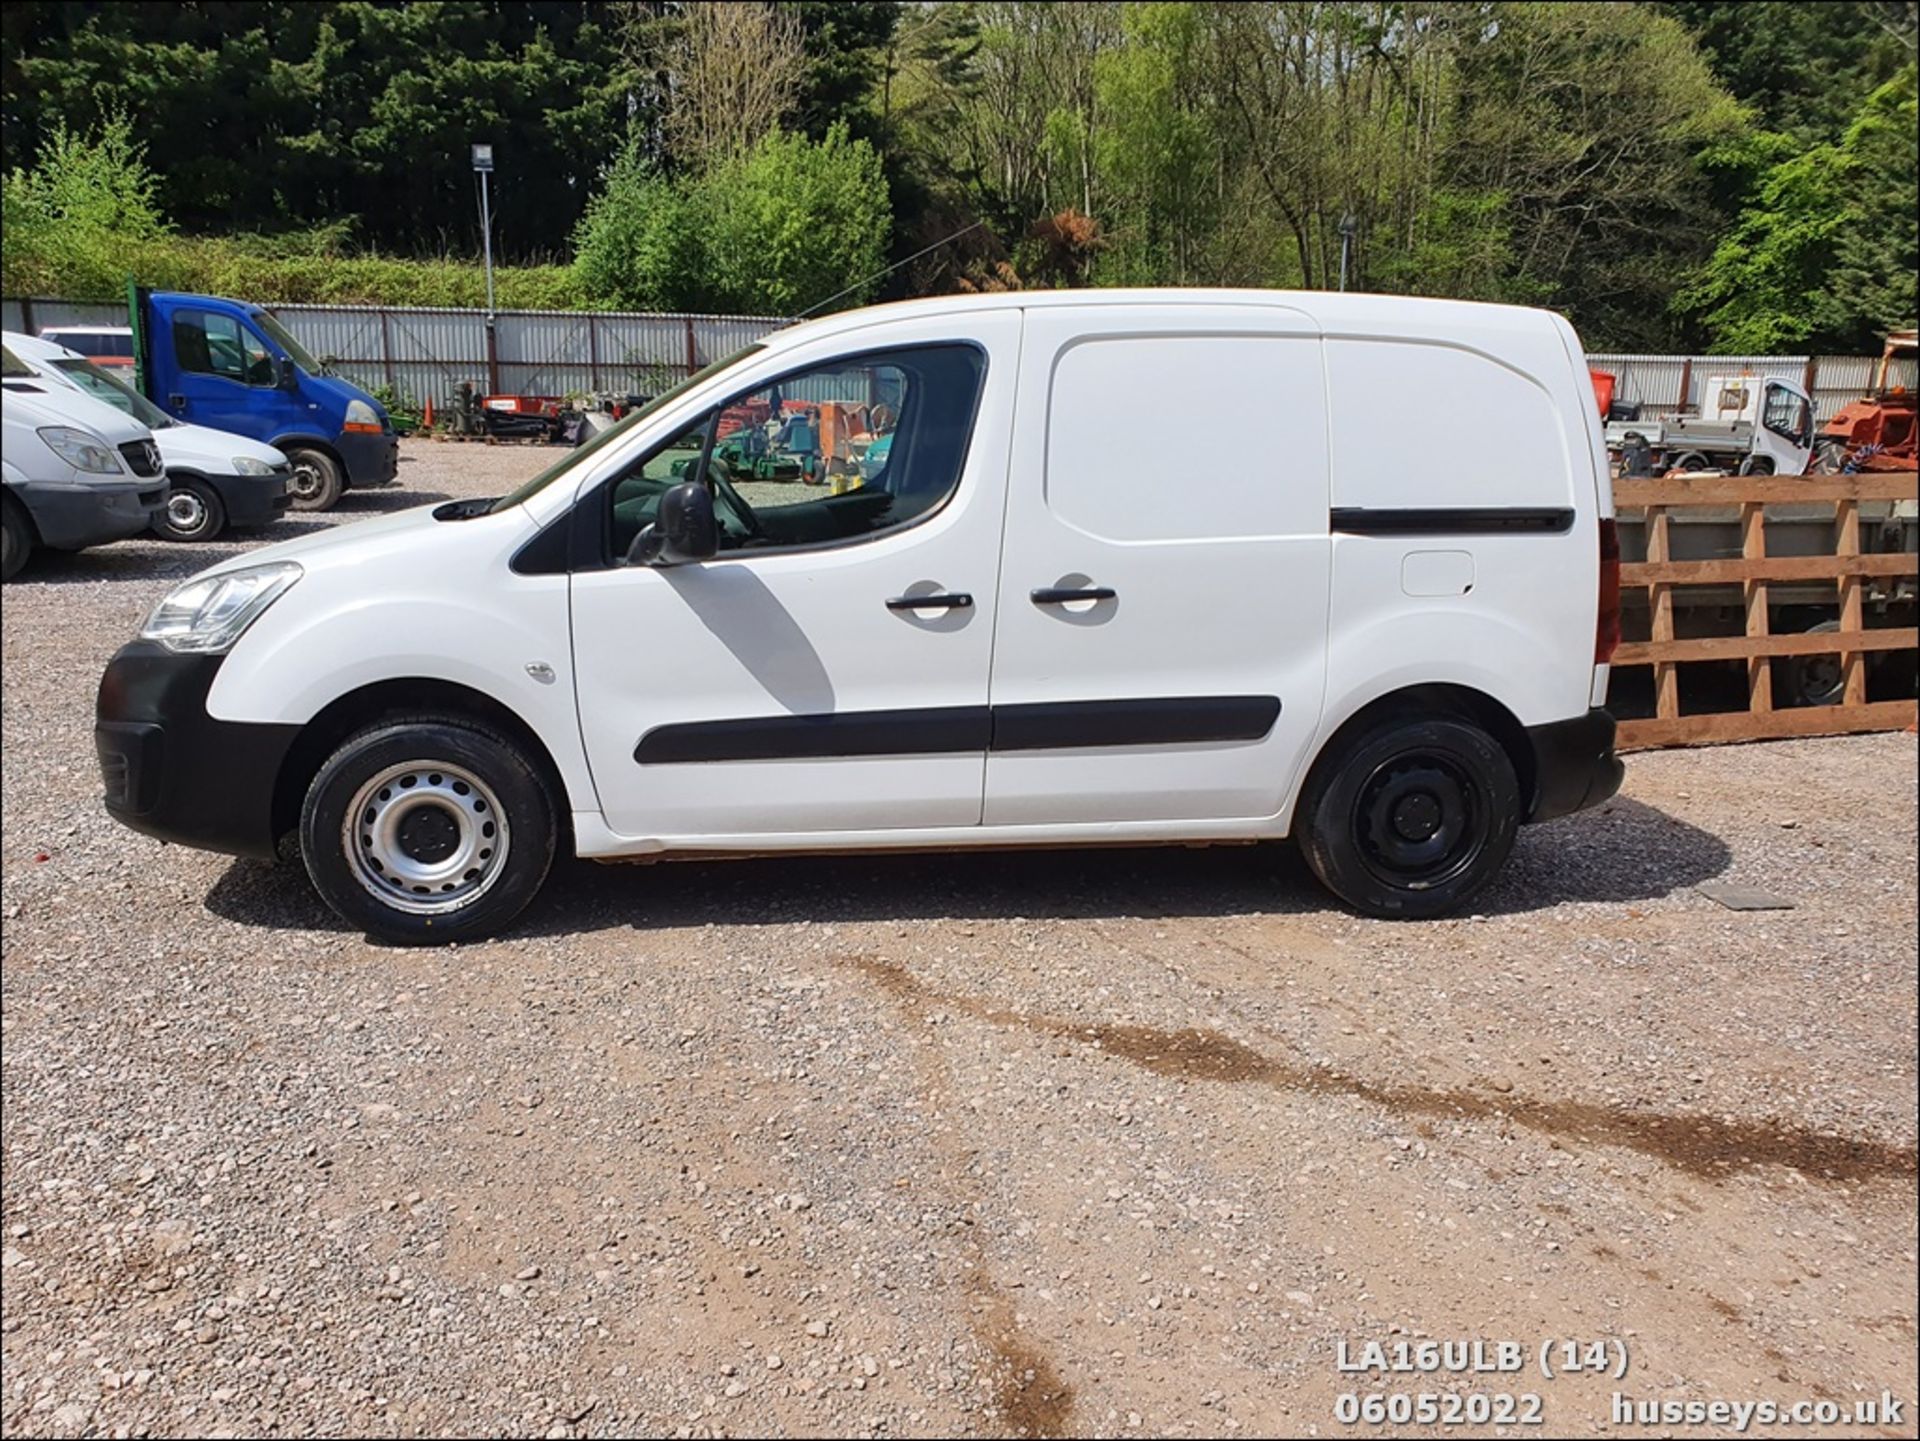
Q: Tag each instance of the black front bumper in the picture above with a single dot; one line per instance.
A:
(71, 517)
(174, 772)
(1573, 765)
(253, 501)
(370, 457)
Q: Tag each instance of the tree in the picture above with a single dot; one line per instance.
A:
(638, 245)
(71, 218)
(778, 229)
(1825, 253)
(737, 67)
(792, 223)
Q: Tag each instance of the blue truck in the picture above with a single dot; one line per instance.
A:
(233, 366)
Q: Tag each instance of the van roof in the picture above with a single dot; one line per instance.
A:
(37, 347)
(1334, 310)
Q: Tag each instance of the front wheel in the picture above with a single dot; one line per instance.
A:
(193, 512)
(1410, 817)
(317, 480)
(16, 538)
(427, 830)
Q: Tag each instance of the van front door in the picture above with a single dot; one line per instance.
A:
(221, 374)
(1161, 645)
(826, 671)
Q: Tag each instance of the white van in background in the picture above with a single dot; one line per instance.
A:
(1004, 570)
(216, 481)
(78, 473)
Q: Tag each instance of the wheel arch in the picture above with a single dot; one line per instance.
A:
(1441, 698)
(308, 441)
(362, 707)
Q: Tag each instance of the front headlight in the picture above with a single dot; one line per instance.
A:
(207, 616)
(81, 450)
(247, 465)
(361, 416)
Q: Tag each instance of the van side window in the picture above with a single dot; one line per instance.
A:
(837, 452)
(1786, 415)
(635, 496)
(205, 343)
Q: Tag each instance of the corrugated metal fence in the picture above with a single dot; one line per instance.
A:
(1665, 383)
(420, 353)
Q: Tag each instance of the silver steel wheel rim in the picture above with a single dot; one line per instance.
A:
(185, 510)
(425, 837)
(305, 481)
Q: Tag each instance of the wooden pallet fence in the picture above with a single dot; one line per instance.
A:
(1753, 571)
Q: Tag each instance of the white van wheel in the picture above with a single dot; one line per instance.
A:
(193, 512)
(430, 829)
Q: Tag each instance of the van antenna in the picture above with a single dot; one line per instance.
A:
(878, 275)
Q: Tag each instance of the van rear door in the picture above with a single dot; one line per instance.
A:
(1161, 642)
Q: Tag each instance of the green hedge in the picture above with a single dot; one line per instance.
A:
(263, 270)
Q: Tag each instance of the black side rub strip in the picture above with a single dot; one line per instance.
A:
(1181, 720)
(1464, 520)
(1065, 725)
(814, 737)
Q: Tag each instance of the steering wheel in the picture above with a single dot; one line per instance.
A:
(717, 472)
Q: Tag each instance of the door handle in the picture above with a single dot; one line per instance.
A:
(178, 402)
(957, 600)
(1055, 595)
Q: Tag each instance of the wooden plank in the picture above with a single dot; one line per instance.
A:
(1753, 546)
(1846, 516)
(1776, 568)
(1767, 489)
(1666, 680)
(1730, 726)
(1743, 647)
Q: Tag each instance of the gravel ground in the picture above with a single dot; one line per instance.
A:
(1089, 1142)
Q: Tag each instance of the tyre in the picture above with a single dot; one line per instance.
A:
(317, 480)
(193, 511)
(1692, 460)
(1757, 465)
(1410, 817)
(16, 538)
(427, 829)
(1810, 680)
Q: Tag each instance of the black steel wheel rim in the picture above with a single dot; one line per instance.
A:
(1420, 820)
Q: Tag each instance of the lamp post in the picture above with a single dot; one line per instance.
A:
(1347, 228)
(483, 167)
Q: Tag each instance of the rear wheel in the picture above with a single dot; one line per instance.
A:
(16, 538)
(426, 830)
(193, 512)
(1410, 817)
(1810, 680)
(317, 480)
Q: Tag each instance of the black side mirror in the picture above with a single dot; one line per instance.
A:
(683, 531)
(289, 374)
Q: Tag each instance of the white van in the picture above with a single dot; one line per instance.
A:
(78, 473)
(216, 480)
(1008, 570)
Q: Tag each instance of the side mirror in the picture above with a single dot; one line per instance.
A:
(684, 531)
(289, 374)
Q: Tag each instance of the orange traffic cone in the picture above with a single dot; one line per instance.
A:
(426, 420)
